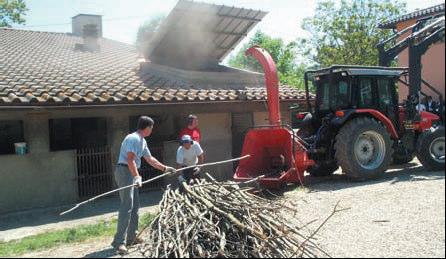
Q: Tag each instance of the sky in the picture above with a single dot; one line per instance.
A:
(121, 19)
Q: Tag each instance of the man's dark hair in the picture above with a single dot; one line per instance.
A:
(144, 122)
(191, 118)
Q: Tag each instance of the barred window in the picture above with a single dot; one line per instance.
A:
(11, 131)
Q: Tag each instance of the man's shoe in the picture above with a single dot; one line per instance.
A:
(122, 250)
(136, 241)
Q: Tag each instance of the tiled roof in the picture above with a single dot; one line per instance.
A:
(414, 15)
(43, 68)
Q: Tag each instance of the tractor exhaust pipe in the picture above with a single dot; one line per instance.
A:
(271, 80)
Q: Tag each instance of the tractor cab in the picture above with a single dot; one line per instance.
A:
(347, 88)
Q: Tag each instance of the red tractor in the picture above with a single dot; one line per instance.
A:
(356, 124)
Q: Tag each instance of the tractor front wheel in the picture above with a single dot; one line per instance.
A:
(430, 149)
(363, 149)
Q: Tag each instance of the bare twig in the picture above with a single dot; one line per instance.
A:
(219, 219)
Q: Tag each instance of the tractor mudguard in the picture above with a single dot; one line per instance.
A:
(427, 121)
(339, 121)
(348, 114)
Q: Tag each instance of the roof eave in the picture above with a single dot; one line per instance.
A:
(433, 10)
(44, 106)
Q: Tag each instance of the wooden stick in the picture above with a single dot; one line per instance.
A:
(151, 180)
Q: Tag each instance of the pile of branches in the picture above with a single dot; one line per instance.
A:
(212, 219)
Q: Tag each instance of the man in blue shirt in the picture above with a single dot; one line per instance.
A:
(133, 148)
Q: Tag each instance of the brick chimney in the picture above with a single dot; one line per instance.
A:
(79, 21)
(89, 27)
(90, 36)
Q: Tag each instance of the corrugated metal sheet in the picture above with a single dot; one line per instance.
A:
(199, 35)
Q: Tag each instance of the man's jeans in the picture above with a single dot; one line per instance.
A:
(128, 210)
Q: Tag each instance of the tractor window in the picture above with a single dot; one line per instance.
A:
(365, 93)
(324, 93)
(341, 98)
(385, 95)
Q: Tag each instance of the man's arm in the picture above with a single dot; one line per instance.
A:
(201, 159)
(132, 164)
(155, 163)
(180, 158)
(199, 152)
(199, 135)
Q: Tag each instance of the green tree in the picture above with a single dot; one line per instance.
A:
(347, 32)
(147, 30)
(284, 55)
(12, 11)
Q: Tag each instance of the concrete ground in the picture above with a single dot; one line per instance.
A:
(22, 224)
(399, 215)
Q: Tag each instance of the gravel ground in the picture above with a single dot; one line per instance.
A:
(400, 215)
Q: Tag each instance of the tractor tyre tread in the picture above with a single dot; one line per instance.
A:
(344, 147)
(423, 145)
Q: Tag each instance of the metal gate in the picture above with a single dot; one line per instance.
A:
(147, 172)
(94, 171)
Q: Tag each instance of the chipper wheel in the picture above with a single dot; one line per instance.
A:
(363, 149)
(430, 149)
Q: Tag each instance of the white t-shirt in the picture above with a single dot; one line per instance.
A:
(421, 107)
(189, 157)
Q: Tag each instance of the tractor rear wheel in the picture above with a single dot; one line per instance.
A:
(430, 149)
(322, 169)
(363, 149)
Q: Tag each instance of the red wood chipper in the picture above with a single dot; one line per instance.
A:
(276, 152)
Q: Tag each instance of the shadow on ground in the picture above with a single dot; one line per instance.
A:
(402, 173)
(38, 217)
(409, 172)
(106, 253)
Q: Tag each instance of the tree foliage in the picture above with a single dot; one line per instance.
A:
(12, 11)
(283, 54)
(347, 32)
